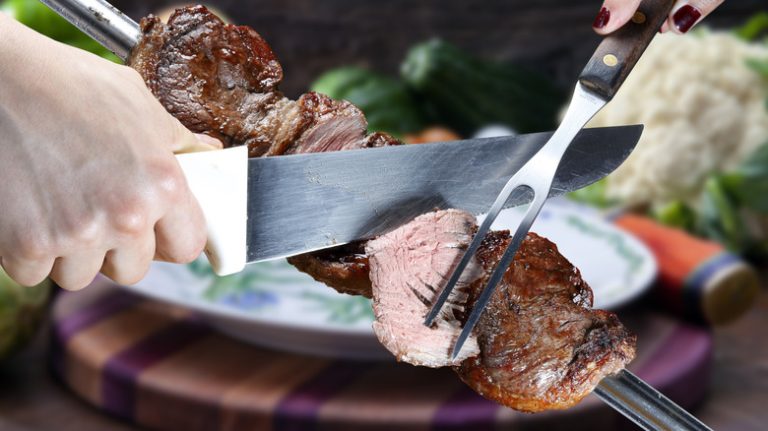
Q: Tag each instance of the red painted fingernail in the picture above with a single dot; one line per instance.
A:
(685, 18)
(602, 18)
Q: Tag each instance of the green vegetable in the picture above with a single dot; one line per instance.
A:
(466, 93)
(386, 102)
(21, 311)
(754, 28)
(594, 194)
(676, 214)
(720, 218)
(748, 184)
(40, 18)
(759, 66)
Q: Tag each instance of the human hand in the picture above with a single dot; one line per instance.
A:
(684, 15)
(89, 180)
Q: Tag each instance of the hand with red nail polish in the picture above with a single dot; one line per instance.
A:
(684, 15)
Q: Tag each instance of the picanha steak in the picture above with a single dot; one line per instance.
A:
(538, 346)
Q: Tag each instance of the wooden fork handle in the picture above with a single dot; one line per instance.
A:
(618, 53)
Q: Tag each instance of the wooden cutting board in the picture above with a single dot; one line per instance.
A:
(157, 366)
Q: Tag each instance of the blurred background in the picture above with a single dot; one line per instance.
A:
(694, 193)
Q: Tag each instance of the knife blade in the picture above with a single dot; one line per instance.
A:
(273, 207)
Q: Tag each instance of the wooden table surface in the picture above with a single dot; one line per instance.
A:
(31, 399)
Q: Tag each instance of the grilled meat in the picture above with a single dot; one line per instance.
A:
(222, 80)
(542, 346)
(345, 268)
(537, 346)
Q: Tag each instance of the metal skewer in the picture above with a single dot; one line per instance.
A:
(101, 21)
(644, 405)
(625, 392)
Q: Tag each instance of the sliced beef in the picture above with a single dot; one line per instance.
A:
(331, 125)
(408, 266)
(345, 268)
(215, 78)
(537, 346)
(542, 346)
(222, 80)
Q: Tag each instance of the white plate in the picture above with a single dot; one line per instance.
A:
(274, 305)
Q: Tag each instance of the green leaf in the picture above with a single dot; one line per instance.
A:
(594, 194)
(676, 214)
(720, 219)
(754, 27)
(758, 65)
(748, 184)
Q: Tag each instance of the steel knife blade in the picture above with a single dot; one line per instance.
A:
(301, 203)
(309, 202)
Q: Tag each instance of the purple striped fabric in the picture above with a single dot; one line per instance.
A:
(122, 370)
(298, 411)
(465, 411)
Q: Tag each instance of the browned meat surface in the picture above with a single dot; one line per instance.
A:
(330, 125)
(215, 78)
(223, 80)
(539, 344)
(542, 346)
(344, 268)
(407, 268)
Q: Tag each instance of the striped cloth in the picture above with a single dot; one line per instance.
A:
(159, 366)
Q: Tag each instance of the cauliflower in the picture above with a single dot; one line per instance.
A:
(703, 110)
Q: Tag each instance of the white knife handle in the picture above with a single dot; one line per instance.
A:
(219, 181)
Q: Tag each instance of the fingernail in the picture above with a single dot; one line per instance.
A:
(602, 18)
(685, 18)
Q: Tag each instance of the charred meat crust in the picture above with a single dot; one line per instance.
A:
(541, 345)
(345, 268)
(215, 78)
(222, 80)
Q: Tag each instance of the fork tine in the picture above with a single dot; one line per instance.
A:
(497, 206)
(506, 259)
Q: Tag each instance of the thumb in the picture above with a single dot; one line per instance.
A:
(188, 142)
(614, 14)
(201, 142)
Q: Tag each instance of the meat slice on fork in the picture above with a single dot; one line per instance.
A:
(539, 345)
(407, 268)
(542, 345)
